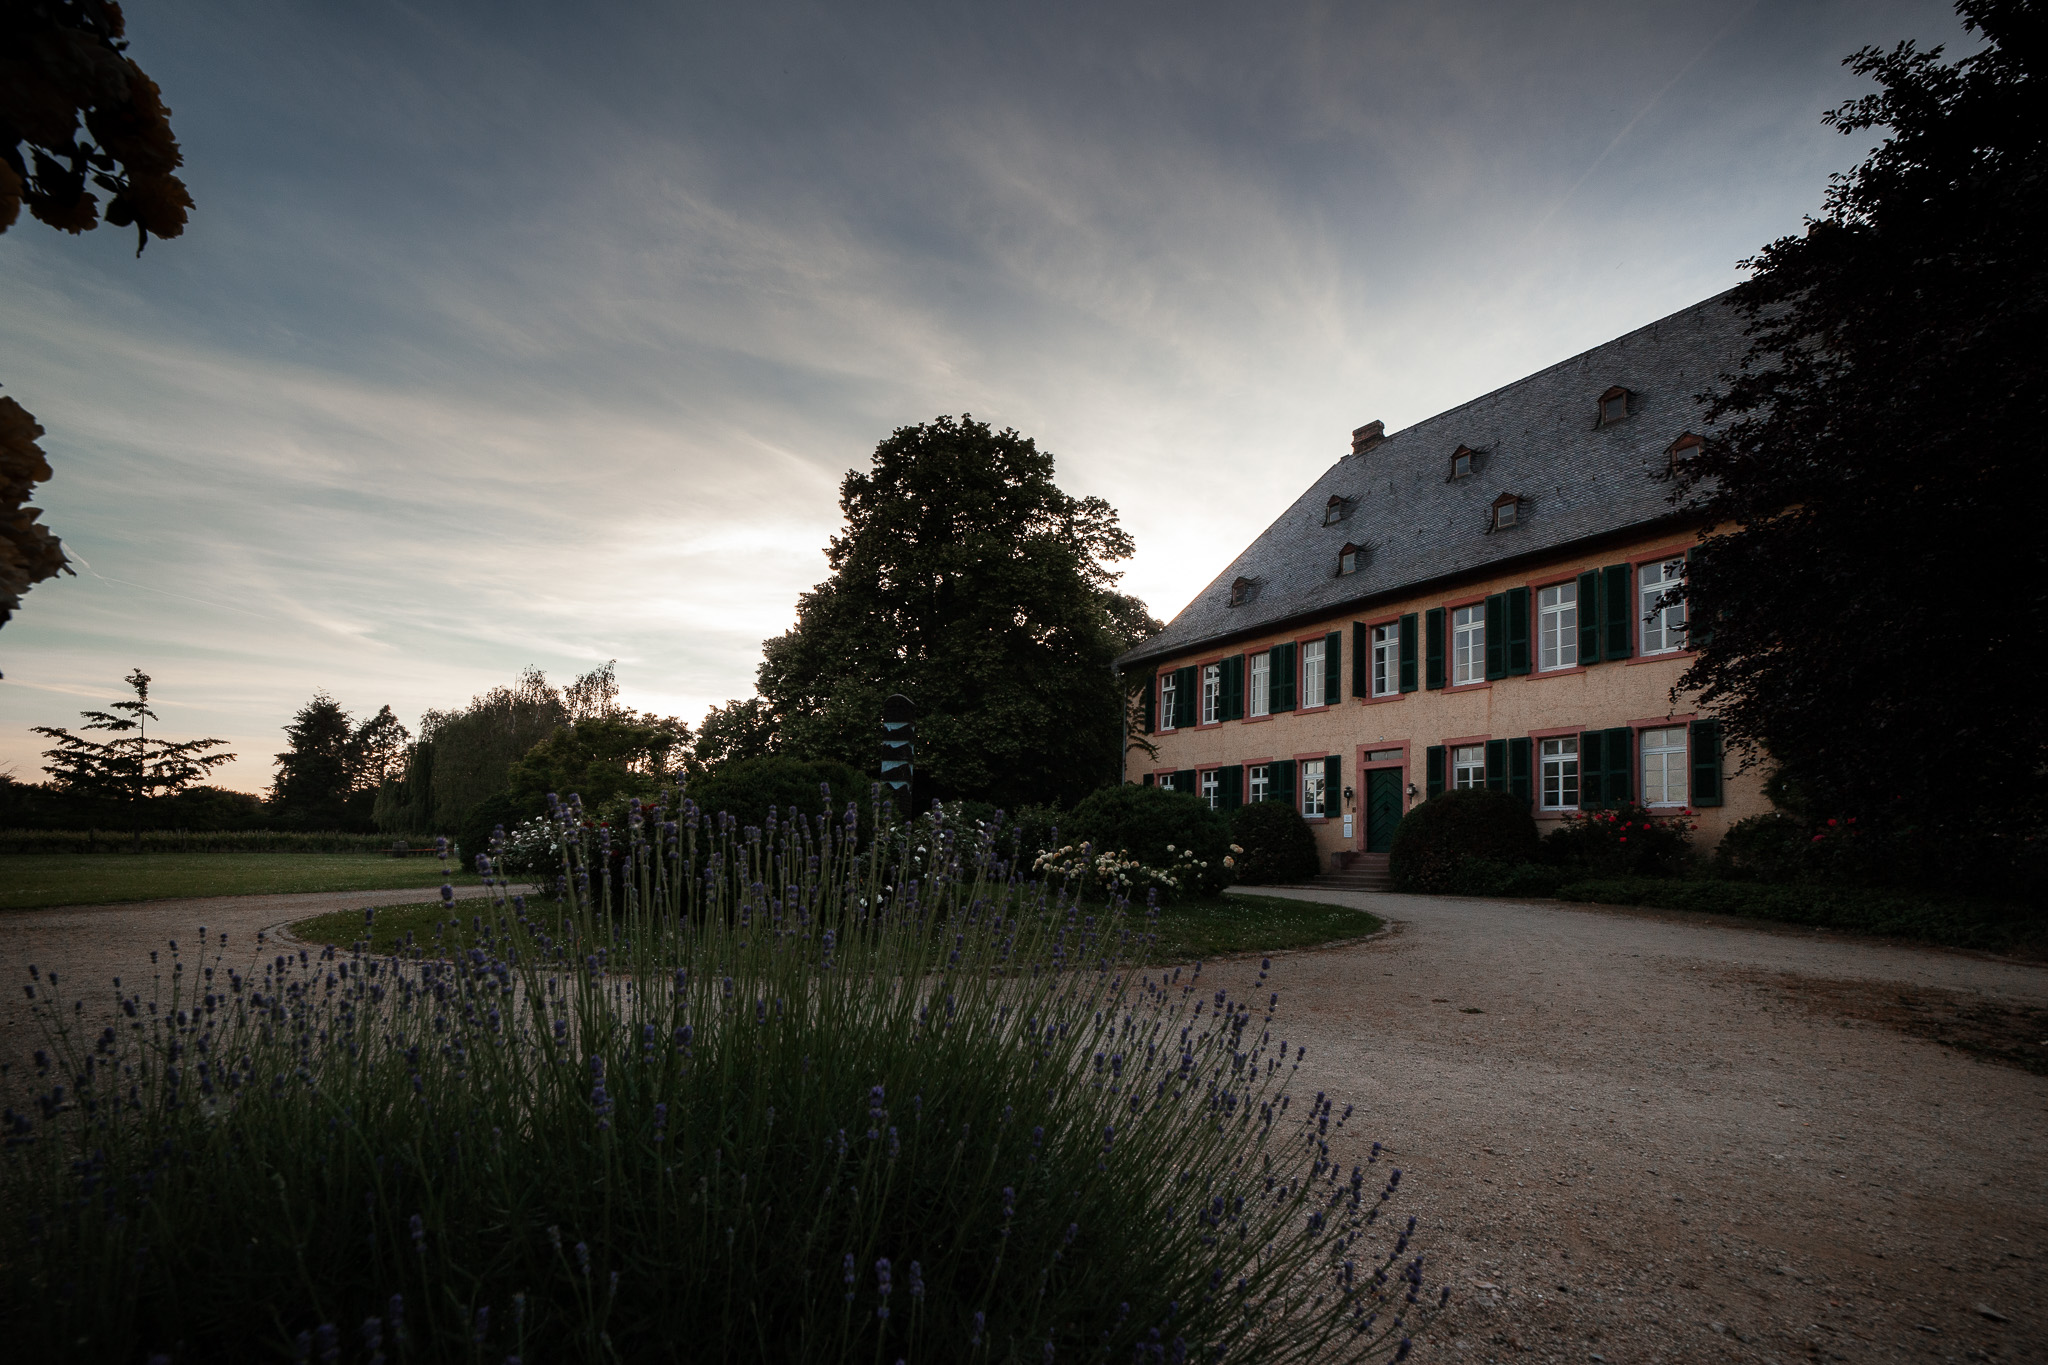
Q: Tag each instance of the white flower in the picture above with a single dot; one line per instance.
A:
(1230, 862)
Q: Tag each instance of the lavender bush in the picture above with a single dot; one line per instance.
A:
(795, 1102)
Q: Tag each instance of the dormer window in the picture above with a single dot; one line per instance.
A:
(1614, 405)
(1351, 560)
(1507, 511)
(1241, 591)
(1683, 449)
(1464, 462)
(1336, 510)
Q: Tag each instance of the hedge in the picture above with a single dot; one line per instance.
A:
(1959, 924)
(191, 841)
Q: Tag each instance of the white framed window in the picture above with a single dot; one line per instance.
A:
(1557, 627)
(1560, 772)
(1210, 784)
(1212, 693)
(1256, 783)
(1312, 673)
(1468, 766)
(1166, 691)
(1386, 659)
(1259, 693)
(1312, 793)
(1468, 644)
(1664, 766)
(1663, 627)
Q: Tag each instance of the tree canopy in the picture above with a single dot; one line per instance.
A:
(135, 767)
(967, 580)
(1863, 621)
(330, 775)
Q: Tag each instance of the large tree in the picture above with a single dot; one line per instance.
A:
(966, 580)
(1865, 619)
(137, 766)
(76, 114)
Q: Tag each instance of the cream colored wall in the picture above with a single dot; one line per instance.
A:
(1601, 696)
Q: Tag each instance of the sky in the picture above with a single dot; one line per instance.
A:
(513, 334)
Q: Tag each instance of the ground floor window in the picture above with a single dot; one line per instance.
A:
(1560, 758)
(1312, 803)
(1255, 779)
(1212, 788)
(1664, 766)
(1468, 766)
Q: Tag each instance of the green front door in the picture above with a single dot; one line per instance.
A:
(1382, 808)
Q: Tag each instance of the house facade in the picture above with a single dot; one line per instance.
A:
(1492, 597)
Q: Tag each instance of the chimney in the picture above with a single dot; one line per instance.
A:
(1368, 436)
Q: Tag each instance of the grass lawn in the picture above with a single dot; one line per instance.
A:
(1194, 930)
(28, 880)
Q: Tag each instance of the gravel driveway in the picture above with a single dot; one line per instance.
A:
(1638, 1136)
(1630, 1135)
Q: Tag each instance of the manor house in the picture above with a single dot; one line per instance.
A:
(1493, 597)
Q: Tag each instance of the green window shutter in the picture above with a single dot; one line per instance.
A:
(1496, 636)
(1433, 628)
(1333, 786)
(1280, 781)
(1184, 781)
(1361, 660)
(1230, 787)
(1233, 687)
(1409, 645)
(1149, 779)
(1706, 762)
(1515, 607)
(1280, 679)
(1433, 768)
(1151, 707)
(1333, 667)
(1589, 618)
(1592, 770)
(1185, 682)
(1518, 767)
(1496, 765)
(1617, 612)
(1621, 764)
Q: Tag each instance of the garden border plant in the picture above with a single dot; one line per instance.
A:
(800, 1099)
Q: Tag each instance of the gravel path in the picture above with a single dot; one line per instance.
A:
(88, 945)
(1641, 1136)
(1630, 1135)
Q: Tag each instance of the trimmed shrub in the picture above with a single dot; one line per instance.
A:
(1277, 844)
(1491, 877)
(1437, 835)
(747, 787)
(1764, 848)
(1038, 829)
(1157, 828)
(1628, 841)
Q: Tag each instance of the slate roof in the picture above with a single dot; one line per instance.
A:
(1538, 438)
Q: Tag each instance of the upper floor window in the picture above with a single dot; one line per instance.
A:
(1663, 608)
(1468, 644)
(1257, 783)
(1211, 788)
(1313, 794)
(1167, 687)
(1557, 626)
(1386, 659)
(1664, 766)
(1464, 461)
(1559, 759)
(1212, 693)
(1507, 510)
(1240, 591)
(1336, 510)
(1468, 766)
(1312, 673)
(1613, 405)
(1259, 689)
(1683, 449)
(1351, 559)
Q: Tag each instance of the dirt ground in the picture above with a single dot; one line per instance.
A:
(1644, 1136)
(1631, 1135)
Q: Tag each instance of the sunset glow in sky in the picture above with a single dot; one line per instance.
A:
(542, 334)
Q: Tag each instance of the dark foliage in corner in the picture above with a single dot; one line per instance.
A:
(1874, 463)
(1277, 844)
(1436, 836)
(1158, 828)
(968, 581)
